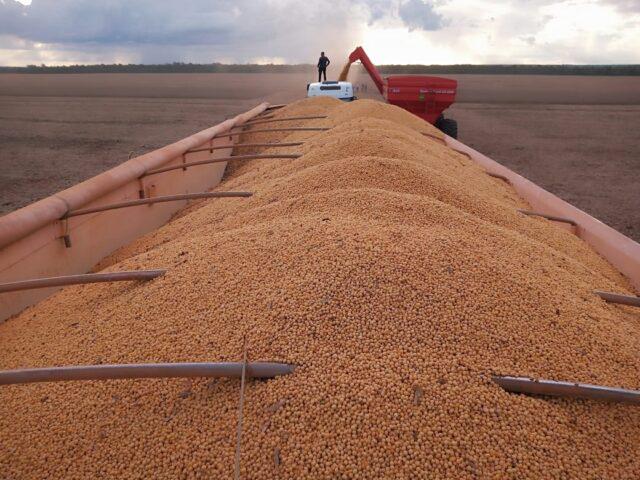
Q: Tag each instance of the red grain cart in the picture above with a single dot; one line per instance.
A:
(424, 96)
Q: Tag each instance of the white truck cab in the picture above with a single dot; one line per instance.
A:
(340, 90)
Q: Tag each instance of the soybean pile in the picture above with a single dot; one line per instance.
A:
(393, 271)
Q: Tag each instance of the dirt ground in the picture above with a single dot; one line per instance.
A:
(578, 137)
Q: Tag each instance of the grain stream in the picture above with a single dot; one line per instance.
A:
(344, 73)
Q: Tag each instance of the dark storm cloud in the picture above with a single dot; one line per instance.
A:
(194, 30)
(119, 21)
(194, 22)
(418, 15)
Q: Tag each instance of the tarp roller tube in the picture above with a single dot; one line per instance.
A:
(275, 107)
(142, 370)
(245, 145)
(281, 119)
(268, 130)
(150, 201)
(222, 160)
(618, 298)
(80, 279)
(567, 389)
(553, 218)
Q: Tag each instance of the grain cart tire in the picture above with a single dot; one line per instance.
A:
(448, 126)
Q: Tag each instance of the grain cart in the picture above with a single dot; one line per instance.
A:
(424, 96)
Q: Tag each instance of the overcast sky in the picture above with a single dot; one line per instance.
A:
(294, 31)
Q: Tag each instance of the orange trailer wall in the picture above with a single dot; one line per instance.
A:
(622, 252)
(30, 238)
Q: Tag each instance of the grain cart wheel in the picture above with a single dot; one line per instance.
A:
(447, 126)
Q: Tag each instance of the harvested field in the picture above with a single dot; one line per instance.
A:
(393, 271)
(571, 135)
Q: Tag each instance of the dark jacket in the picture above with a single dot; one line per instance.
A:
(323, 62)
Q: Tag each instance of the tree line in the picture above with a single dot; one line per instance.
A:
(614, 70)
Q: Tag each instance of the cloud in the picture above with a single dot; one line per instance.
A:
(624, 5)
(530, 40)
(192, 30)
(295, 31)
(118, 22)
(417, 14)
(377, 9)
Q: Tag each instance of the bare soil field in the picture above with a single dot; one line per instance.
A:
(578, 137)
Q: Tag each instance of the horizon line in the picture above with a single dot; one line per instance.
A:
(42, 65)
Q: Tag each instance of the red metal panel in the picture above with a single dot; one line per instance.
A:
(424, 96)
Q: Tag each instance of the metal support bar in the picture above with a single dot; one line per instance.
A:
(281, 119)
(264, 130)
(80, 279)
(618, 298)
(219, 160)
(462, 152)
(498, 176)
(566, 389)
(223, 147)
(266, 114)
(435, 137)
(145, 370)
(549, 217)
(149, 201)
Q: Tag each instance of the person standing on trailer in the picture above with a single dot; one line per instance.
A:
(323, 63)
